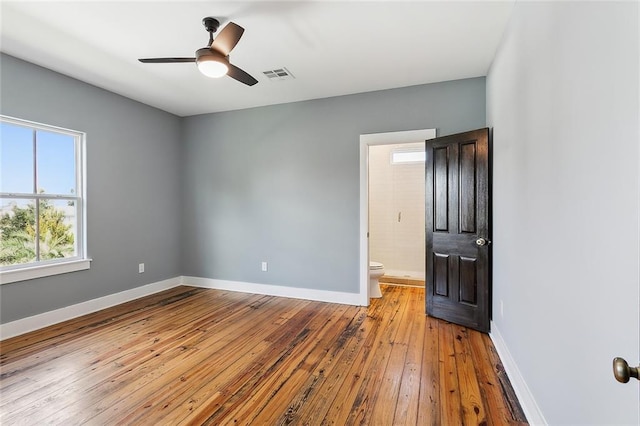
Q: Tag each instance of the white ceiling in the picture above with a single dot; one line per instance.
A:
(331, 47)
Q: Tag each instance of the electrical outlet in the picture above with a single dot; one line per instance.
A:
(140, 268)
(264, 266)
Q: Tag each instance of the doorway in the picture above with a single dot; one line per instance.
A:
(396, 211)
(366, 141)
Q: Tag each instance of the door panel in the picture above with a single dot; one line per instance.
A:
(468, 283)
(468, 188)
(457, 214)
(441, 274)
(441, 188)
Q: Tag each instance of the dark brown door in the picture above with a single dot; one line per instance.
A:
(458, 254)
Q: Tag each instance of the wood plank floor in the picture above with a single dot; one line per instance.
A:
(199, 356)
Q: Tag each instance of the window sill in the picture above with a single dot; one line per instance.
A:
(40, 271)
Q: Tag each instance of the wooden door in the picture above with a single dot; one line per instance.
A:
(457, 223)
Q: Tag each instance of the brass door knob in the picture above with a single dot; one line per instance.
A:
(622, 371)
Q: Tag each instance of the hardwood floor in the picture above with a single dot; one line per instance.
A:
(198, 356)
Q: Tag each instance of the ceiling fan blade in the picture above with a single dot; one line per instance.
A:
(166, 60)
(240, 75)
(228, 38)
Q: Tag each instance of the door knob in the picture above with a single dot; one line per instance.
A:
(482, 242)
(622, 371)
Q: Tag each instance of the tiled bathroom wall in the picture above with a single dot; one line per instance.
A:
(396, 211)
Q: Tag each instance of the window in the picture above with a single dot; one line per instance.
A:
(42, 214)
(402, 156)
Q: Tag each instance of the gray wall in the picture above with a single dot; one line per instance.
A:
(281, 183)
(133, 162)
(278, 183)
(562, 98)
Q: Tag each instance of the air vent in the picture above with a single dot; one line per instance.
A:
(279, 74)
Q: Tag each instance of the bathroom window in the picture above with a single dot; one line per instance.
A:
(42, 200)
(407, 156)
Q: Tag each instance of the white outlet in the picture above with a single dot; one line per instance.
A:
(264, 266)
(140, 268)
(501, 309)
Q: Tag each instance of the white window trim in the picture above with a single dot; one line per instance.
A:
(16, 273)
(40, 270)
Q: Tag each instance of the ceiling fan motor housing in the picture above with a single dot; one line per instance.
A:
(208, 54)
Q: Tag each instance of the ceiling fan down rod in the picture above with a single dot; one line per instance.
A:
(211, 25)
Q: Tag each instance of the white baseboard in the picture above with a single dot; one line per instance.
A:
(275, 290)
(525, 397)
(25, 325)
(46, 319)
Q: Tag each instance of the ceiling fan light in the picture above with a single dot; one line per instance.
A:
(210, 67)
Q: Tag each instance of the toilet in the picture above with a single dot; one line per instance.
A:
(376, 270)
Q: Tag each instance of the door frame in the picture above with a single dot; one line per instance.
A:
(367, 140)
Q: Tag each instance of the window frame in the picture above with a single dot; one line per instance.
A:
(44, 268)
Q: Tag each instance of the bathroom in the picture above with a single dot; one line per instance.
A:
(397, 213)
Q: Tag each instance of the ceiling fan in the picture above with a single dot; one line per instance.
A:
(213, 60)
